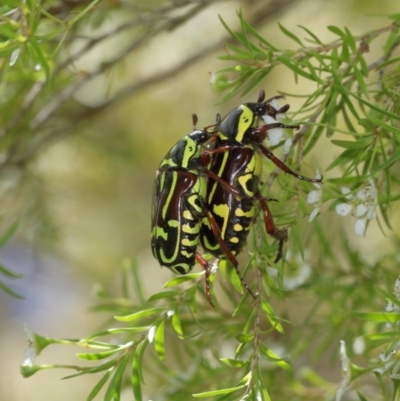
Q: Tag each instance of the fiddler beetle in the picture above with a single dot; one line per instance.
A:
(238, 162)
(178, 207)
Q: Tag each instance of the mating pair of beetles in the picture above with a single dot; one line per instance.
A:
(207, 188)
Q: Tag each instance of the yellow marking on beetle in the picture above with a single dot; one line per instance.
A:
(187, 242)
(221, 169)
(171, 192)
(184, 266)
(162, 181)
(254, 167)
(201, 187)
(234, 240)
(222, 211)
(167, 162)
(187, 215)
(208, 246)
(191, 230)
(190, 150)
(238, 227)
(243, 181)
(246, 120)
(172, 223)
(206, 222)
(252, 163)
(240, 213)
(161, 233)
(193, 202)
(187, 254)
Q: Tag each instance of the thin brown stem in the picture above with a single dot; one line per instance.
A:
(257, 321)
(48, 110)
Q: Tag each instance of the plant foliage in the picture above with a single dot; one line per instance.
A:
(172, 345)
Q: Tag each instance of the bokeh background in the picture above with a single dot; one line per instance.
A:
(83, 199)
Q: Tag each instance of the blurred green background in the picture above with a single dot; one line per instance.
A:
(83, 199)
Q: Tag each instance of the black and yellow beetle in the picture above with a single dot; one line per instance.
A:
(178, 208)
(239, 164)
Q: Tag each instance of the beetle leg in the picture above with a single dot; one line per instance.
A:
(259, 134)
(267, 127)
(221, 149)
(205, 157)
(280, 235)
(220, 181)
(234, 190)
(206, 266)
(284, 167)
(217, 233)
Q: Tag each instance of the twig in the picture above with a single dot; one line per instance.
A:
(169, 25)
(257, 329)
(48, 110)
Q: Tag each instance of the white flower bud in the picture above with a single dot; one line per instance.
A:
(313, 214)
(275, 136)
(313, 197)
(371, 215)
(361, 194)
(359, 345)
(347, 193)
(275, 104)
(268, 119)
(287, 146)
(343, 209)
(361, 210)
(360, 227)
(29, 356)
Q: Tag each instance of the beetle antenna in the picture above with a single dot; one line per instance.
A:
(194, 119)
(261, 96)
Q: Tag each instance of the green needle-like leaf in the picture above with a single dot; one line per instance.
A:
(350, 144)
(290, 34)
(96, 389)
(267, 308)
(269, 355)
(137, 367)
(94, 356)
(182, 279)
(136, 381)
(159, 341)
(218, 392)
(391, 317)
(114, 388)
(234, 362)
(9, 233)
(9, 291)
(164, 294)
(176, 323)
(139, 315)
(9, 273)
